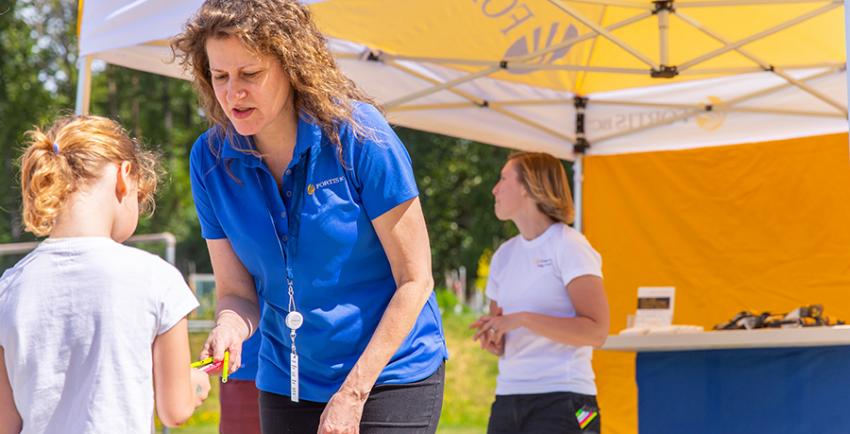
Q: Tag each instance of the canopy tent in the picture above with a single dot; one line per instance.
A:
(602, 78)
(566, 77)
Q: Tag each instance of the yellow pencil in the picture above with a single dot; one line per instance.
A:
(203, 362)
(225, 367)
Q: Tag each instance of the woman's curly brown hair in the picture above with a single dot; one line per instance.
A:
(285, 30)
(70, 154)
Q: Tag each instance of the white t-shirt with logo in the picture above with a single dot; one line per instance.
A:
(78, 317)
(531, 276)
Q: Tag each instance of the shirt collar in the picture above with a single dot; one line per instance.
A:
(236, 146)
(309, 136)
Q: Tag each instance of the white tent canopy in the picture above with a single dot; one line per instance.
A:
(587, 84)
(745, 107)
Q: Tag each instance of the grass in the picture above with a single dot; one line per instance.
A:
(470, 382)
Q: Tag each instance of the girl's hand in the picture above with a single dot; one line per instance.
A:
(342, 414)
(200, 385)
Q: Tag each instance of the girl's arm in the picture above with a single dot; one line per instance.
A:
(588, 327)
(12, 423)
(404, 238)
(178, 389)
(237, 308)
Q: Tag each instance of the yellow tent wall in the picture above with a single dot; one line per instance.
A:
(760, 226)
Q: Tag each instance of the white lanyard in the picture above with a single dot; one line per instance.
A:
(294, 320)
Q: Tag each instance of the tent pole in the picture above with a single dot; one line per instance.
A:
(578, 178)
(847, 40)
(663, 35)
(579, 149)
(83, 86)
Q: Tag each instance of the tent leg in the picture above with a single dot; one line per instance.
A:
(578, 180)
(847, 44)
(83, 86)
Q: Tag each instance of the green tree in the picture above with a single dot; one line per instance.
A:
(455, 178)
(161, 112)
(24, 101)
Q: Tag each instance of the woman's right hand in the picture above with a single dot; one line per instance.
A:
(224, 337)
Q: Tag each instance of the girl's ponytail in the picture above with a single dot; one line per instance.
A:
(71, 153)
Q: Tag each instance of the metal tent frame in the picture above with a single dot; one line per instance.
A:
(660, 10)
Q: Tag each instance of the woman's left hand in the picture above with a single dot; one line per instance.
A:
(342, 414)
(493, 328)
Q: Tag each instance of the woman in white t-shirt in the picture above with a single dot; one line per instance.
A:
(547, 308)
(91, 331)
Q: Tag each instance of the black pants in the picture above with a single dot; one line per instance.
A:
(544, 413)
(399, 408)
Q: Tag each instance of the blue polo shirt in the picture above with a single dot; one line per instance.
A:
(317, 229)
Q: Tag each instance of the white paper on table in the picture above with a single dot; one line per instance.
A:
(655, 306)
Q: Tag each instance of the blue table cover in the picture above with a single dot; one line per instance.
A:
(747, 391)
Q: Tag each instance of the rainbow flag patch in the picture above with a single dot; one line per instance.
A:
(585, 416)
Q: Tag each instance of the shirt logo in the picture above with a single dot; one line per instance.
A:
(331, 181)
(544, 262)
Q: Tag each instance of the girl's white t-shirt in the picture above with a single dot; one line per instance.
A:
(531, 276)
(78, 317)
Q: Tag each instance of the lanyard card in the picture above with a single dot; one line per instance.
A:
(293, 374)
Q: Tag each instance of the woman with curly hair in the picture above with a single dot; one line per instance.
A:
(309, 206)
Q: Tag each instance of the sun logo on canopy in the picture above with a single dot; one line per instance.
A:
(539, 39)
(713, 119)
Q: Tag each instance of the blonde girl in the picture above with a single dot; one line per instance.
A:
(92, 332)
